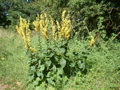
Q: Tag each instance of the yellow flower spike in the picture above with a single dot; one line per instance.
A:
(27, 45)
(92, 42)
(45, 15)
(66, 26)
(59, 30)
(53, 30)
(34, 50)
(63, 15)
(24, 31)
(58, 25)
(41, 17)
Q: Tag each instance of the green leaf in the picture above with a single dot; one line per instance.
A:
(62, 50)
(38, 79)
(60, 71)
(33, 68)
(62, 62)
(48, 74)
(39, 62)
(50, 81)
(38, 74)
(48, 63)
(54, 68)
(42, 67)
(34, 60)
(79, 64)
(35, 83)
(31, 78)
(51, 54)
(72, 64)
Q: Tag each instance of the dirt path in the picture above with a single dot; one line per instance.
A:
(4, 86)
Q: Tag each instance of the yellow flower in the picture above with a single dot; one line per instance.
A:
(34, 50)
(92, 42)
(2, 58)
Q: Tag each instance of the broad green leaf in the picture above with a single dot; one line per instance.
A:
(33, 68)
(38, 79)
(60, 71)
(48, 74)
(62, 62)
(35, 83)
(50, 81)
(83, 66)
(79, 64)
(72, 64)
(31, 78)
(62, 50)
(34, 60)
(39, 62)
(48, 63)
(54, 68)
(38, 73)
(51, 54)
(42, 67)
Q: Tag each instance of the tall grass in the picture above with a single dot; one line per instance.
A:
(13, 68)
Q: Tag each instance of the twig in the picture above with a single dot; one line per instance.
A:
(115, 36)
(117, 27)
(87, 29)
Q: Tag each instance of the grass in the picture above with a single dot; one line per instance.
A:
(103, 75)
(13, 68)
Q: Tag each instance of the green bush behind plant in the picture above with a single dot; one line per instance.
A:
(90, 15)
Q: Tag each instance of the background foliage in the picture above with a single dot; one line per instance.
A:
(89, 14)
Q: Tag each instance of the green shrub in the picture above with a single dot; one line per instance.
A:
(92, 16)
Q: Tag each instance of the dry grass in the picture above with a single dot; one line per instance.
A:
(6, 33)
(13, 69)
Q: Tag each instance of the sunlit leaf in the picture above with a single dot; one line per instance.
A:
(48, 63)
(50, 81)
(62, 62)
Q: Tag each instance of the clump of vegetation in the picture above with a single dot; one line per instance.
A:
(49, 62)
(57, 57)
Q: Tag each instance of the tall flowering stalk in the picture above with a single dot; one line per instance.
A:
(64, 28)
(25, 33)
(45, 25)
(41, 24)
(49, 63)
(59, 30)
